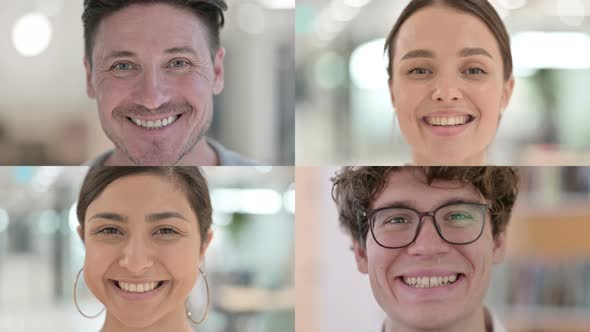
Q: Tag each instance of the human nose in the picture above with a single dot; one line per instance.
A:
(136, 256)
(152, 90)
(428, 242)
(447, 89)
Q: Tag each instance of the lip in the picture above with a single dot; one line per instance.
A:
(134, 128)
(136, 297)
(428, 272)
(153, 117)
(446, 131)
(434, 294)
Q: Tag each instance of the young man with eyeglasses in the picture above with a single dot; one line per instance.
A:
(428, 238)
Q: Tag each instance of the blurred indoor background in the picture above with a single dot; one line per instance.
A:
(47, 119)
(542, 286)
(249, 263)
(342, 97)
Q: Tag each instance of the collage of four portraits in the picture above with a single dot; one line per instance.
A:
(295, 165)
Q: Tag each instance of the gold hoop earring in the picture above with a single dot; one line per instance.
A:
(189, 314)
(76, 300)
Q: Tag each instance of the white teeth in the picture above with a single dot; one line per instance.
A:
(447, 121)
(428, 282)
(158, 124)
(138, 288)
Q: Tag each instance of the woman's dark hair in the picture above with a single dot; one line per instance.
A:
(209, 11)
(190, 179)
(481, 9)
(355, 188)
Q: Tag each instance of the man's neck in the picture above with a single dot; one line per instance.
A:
(476, 322)
(174, 321)
(202, 154)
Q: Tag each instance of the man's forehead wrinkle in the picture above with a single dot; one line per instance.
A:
(128, 31)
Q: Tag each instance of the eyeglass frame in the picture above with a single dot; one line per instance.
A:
(371, 214)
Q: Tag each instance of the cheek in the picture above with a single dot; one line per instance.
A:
(181, 257)
(192, 87)
(112, 92)
(487, 98)
(408, 97)
(182, 264)
(96, 263)
(481, 256)
(380, 261)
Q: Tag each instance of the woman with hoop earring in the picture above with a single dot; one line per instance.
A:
(145, 231)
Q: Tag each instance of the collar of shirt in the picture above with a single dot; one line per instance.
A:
(493, 324)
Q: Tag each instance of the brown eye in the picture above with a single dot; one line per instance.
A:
(166, 231)
(420, 71)
(475, 71)
(109, 231)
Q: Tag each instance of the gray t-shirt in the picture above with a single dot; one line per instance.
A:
(225, 156)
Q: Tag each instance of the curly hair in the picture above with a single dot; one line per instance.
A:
(354, 188)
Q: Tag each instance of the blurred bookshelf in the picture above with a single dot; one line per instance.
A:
(544, 286)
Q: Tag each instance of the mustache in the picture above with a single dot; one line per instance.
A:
(135, 110)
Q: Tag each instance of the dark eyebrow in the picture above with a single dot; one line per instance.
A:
(418, 54)
(164, 215)
(120, 54)
(152, 217)
(129, 54)
(471, 51)
(182, 49)
(109, 216)
(399, 204)
(412, 204)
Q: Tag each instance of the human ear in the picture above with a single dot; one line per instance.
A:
(360, 255)
(80, 232)
(90, 91)
(390, 83)
(499, 251)
(205, 244)
(507, 93)
(218, 71)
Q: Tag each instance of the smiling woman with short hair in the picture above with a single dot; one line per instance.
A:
(145, 231)
(450, 79)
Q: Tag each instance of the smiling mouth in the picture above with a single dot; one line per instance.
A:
(138, 287)
(448, 121)
(155, 124)
(431, 281)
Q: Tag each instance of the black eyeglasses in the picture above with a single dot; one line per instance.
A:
(456, 223)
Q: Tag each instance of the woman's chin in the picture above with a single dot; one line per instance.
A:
(136, 320)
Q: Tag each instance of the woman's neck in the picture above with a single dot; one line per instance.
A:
(173, 321)
(478, 159)
(475, 322)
